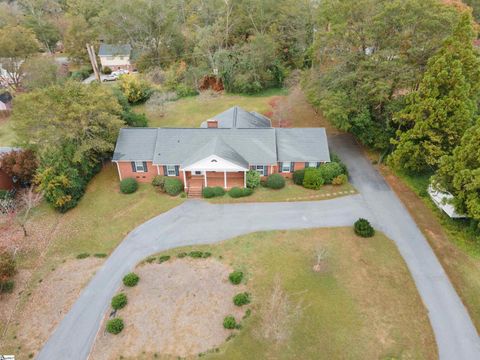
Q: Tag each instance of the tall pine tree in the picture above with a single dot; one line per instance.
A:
(445, 105)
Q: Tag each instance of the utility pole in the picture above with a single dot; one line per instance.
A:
(93, 61)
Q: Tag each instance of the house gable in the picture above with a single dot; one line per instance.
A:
(215, 163)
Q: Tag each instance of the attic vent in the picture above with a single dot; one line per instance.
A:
(213, 160)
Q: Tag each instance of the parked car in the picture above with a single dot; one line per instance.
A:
(111, 77)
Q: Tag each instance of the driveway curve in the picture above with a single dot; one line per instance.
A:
(197, 222)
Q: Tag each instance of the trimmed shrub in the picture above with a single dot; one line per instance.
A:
(298, 176)
(135, 89)
(131, 279)
(100, 255)
(150, 259)
(253, 179)
(229, 322)
(119, 301)
(115, 326)
(330, 171)
(235, 277)
(134, 119)
(206, 254)
(182, 255)
(336, 159)
(241, 299)
(275, 181)
(83, 255)
(163, 258)
(128, 185)
(363, 228)
(313, 179)
(340, 180)
(159, 181)
(237, 192)
(210, 192)
(173, 186)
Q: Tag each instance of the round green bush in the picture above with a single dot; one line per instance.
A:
(218, 191)
(237, 192)
(173, 186)
(115, 326)
(313, 179)
(130, 279)
(163, 258)
(298, 176)
(275, 181)
(106, 70)
(363, 228)
(229, 322)
(128, 185)
(208, 192)
(340, 179)
(330, 171)
(235, 277)
(241, 299)
(253, 179)
(7, 286)
(119, 301)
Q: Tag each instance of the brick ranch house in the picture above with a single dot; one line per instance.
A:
(220, 152)
(116, 57)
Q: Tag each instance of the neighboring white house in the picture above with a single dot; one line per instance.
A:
(443, 201)
(116, 57)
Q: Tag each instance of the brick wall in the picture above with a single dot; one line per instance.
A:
(125, 169)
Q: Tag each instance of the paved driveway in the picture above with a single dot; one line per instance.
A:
(197, 222)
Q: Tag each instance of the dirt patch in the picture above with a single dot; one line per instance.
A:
(51, 300)
(176, 309)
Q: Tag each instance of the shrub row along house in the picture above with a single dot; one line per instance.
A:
(220, 152)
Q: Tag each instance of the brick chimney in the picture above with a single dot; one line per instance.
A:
(212, 124)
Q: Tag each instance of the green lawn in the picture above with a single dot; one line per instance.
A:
(363, 305)
(191, 111)
(290, 192)
(7, 136)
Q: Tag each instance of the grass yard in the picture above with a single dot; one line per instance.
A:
(363, 303)
(290, 192)
(457, 249)
(7, 136)
(191, 111)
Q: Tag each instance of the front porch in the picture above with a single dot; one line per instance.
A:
(224, 179)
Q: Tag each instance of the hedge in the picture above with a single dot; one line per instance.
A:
(210, 192)
(237, 192)
(363, 228)
(235, 277)
(159, 181)
(173, 186)
(298, 176)
(313, 179)
(128, 185)
(275, 181)
(253, 179)
(330, 171)
(241, 299)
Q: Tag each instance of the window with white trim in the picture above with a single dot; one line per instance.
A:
(171, 170)
(312, 164)
(260, 169)
(139, 166)
(286, 167)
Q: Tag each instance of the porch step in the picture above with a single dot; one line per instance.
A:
(195, 192)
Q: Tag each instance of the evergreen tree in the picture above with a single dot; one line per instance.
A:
(444, 107)
(459, 173)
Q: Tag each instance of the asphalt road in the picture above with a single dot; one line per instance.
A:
(197, 222)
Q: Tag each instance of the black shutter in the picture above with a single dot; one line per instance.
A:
(292, 167)
(177, 168)
(280, 165)
(134, 168)
(165, 173)
(145, 168)
(318, 164)
(306, 165)
(265, 170)
(252, 167)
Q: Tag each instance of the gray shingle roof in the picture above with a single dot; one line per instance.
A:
(217, 146)
(236, 117)
(302, 144)
(135, 144)
(109, 50)
(254, 146)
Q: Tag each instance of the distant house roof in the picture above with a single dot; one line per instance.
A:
(238, 118)
(114, 50)
(6, 97)
(302, 144)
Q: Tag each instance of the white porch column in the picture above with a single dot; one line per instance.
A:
(185, 185)
(244, 179)
(205, 176)
(225, 179)
(158, 170)
(118, 169)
